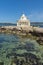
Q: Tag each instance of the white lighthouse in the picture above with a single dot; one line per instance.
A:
(23, 21)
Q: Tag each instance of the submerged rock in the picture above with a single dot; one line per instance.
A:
(1, 63)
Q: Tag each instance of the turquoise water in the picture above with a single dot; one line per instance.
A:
(11, 44)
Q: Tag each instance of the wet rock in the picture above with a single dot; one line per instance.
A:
(1, 63)
(40, 40)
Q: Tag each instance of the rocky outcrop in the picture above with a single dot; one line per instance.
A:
(33, 30)
(38, 29)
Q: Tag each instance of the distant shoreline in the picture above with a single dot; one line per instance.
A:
(40, 24)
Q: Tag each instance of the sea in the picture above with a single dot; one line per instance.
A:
(38, 24)
(14, 46)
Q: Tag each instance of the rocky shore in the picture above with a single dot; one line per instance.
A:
(31, 32)
(31, 52)
(37, 31)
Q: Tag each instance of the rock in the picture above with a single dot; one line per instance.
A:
(1, 63)
(40, 40)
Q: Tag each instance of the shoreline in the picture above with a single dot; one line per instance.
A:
(33, 30)
(30, 32)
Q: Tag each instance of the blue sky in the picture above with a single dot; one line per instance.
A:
(11, 10)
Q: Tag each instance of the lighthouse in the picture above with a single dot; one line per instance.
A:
(23, 21)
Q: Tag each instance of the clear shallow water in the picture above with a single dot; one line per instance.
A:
(11, 44)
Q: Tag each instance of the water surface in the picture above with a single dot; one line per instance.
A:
(11, 44)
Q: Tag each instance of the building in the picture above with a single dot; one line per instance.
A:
(23, 21)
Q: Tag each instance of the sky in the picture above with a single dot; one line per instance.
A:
(11, 10)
